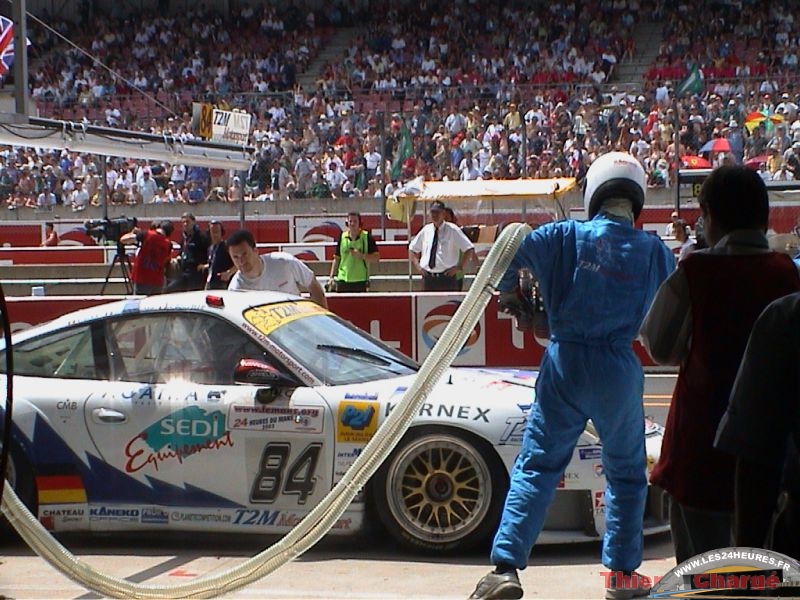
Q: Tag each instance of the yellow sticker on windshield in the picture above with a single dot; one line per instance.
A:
(269, 317)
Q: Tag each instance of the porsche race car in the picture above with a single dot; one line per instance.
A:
(238, 411)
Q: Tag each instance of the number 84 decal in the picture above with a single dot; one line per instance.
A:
(274, 478)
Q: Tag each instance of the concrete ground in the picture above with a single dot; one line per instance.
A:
(338, 568)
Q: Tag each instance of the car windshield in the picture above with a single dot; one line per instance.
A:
(335, 351)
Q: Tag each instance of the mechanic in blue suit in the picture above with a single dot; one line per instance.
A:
(597, 279)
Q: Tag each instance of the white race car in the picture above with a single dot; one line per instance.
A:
(238, 411)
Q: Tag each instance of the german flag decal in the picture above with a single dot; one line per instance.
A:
(60, 489)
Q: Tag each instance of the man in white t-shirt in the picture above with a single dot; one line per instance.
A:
(276, 271)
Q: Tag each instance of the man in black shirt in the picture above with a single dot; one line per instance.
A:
(219, 268)
(762, 428)
(193, 257)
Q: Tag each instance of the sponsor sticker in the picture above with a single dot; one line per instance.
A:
(361, 396)
(593, 453)
(722, 573)
(179, 516)
(356, 422)
(269, 317)
(283, 419)
(110, 513)
(184, 433)
(155, 516)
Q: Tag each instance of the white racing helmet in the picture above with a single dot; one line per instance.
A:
(614, 175)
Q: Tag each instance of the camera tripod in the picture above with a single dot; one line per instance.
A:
(125, 266)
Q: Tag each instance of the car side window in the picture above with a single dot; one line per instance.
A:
(156, 348)
(68, 353)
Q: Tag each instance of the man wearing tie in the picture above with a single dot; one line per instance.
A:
(439, 251)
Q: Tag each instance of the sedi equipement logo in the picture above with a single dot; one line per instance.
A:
(723, 573)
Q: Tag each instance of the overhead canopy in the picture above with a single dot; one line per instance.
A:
(490, 189)
(400, 205)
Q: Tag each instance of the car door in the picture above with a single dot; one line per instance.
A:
(180, 433)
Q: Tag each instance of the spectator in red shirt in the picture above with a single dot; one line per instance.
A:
(50, 235)
(155, 251)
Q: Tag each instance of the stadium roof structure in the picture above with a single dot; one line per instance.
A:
(33, 132)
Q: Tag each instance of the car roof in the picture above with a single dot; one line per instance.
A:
(234, 303)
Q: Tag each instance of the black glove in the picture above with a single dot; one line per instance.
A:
(515, 304)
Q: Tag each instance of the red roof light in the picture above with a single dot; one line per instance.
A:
(215, 301)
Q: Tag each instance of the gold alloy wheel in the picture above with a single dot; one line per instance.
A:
(439, 488)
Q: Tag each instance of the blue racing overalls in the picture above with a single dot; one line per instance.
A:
(597, 280)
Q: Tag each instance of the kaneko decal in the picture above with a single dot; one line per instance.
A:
(437, 319)
(106, 513)
(356, 422)
(183, 433)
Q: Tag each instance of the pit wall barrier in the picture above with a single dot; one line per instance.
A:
(409, 322)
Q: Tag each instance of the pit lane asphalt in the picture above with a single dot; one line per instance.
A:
(359, 568)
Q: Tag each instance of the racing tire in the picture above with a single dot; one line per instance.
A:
(21, 478)
(441, 490)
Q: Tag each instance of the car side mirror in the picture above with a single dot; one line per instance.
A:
(255, 372)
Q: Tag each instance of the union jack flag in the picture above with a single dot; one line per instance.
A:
(7, 45)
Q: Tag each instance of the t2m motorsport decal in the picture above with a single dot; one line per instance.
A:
(185, 432)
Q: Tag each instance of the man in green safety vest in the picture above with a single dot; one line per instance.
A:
(355, 250)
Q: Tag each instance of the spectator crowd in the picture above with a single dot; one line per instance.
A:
(457, 91)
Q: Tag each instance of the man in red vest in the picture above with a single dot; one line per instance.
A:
(700, 319)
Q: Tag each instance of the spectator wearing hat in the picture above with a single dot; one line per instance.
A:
(439, 251)
(79, 198)
(147, 186)
(791, 160)
(235, 191)
(46, 200)
(669, 230)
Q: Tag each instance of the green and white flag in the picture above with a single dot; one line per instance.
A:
(692, 83)
(404, 149)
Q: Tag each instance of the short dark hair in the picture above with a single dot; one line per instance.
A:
(217, 222)
(355, 214)
(166, 227)
(241, 236)
(736, 198)
(49, 224)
